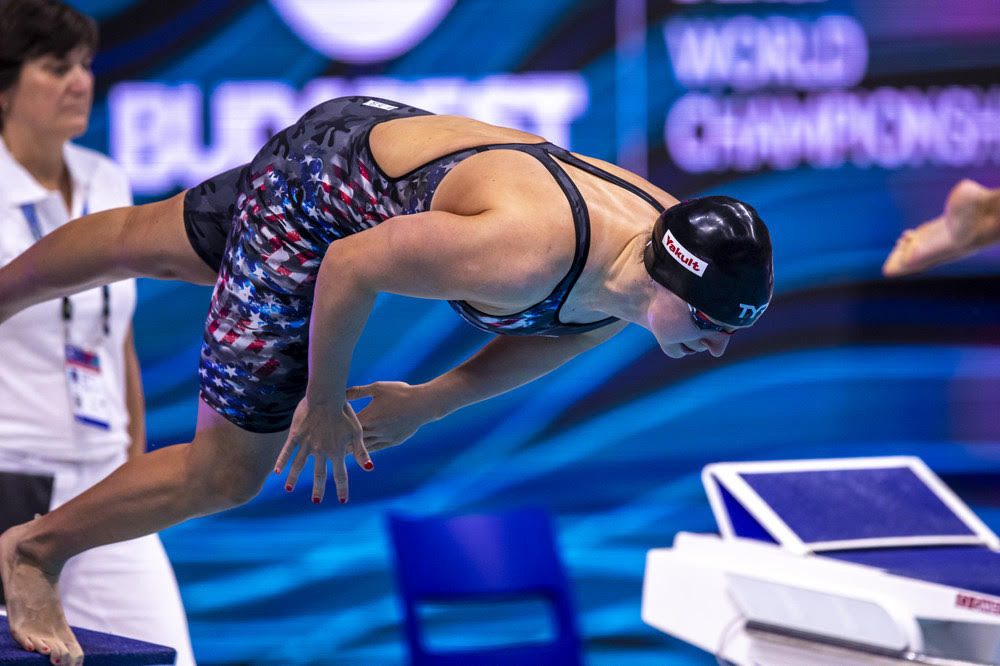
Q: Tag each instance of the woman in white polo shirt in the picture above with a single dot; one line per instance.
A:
(71, 402)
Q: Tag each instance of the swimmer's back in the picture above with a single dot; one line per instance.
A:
(404, 144)
(399, 146)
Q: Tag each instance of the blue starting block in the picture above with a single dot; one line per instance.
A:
(99, 649)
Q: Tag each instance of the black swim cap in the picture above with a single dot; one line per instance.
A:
(715, 253)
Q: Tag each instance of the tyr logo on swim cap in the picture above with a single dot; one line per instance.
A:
(715, 253)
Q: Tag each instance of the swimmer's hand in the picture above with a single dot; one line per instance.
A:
(396, 412)
(971, 220)
(326, 431)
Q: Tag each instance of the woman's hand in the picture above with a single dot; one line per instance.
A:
(971, 220)
(397, 410)
(326, 432)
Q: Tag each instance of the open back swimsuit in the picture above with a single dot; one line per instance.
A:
(265, 226)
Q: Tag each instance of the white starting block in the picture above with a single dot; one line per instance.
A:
(831, 563)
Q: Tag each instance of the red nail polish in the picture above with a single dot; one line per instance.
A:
(369, 465)
(277, 471)
(342, 500)
(288, 488)
(315, 500)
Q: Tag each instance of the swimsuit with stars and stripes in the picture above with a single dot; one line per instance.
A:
(266, 226)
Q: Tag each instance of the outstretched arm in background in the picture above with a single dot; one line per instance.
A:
(971, 220)
(93, 250)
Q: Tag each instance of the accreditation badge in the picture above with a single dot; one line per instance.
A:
(87, 392)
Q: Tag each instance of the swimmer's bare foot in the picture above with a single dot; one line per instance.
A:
(34, 612)
(971, 220)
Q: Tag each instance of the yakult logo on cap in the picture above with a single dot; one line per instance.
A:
(683, 257)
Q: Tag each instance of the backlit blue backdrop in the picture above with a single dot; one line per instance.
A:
(841, 122)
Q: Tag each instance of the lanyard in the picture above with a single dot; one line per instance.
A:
(31, 215)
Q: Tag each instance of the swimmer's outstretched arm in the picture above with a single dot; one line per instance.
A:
(96, 249)
(398, 409)
(429, 255)
(970, 221)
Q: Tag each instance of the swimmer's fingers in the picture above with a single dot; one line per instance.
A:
(897, 263)
(891, 266)
(340, 477)
(361, 434)
(924, 247)
(361, 454)
(319, 479)
(377, 443)
(354, 442)
(294, 438)
(298, 464)
(358, 392)
(285, 455)
(357, 445)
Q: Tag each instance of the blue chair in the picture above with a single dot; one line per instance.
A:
(479, 558)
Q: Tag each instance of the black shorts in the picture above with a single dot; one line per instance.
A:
(312, 183)
(208, 214)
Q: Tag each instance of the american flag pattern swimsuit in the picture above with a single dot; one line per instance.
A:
(312, 183)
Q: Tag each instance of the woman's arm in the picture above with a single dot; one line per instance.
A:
(507, 362)
(971, 220)
(135, 402)
(397, 409)
(434, 255)
(100, 248)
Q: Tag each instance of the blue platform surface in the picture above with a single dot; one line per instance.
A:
(850, 504)
(99, 649)
(970, 568)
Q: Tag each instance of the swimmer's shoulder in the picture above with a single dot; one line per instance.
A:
(404, 144)
(661, 195)
(442, 129)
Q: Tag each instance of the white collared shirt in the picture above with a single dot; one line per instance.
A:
(35, 411)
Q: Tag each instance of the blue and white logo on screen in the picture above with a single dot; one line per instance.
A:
(362, 32)
(157, 130)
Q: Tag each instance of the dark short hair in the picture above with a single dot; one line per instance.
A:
(34, 28)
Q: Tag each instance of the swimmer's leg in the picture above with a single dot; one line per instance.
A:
(138, 241)
(223, 467)
(971, 220)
